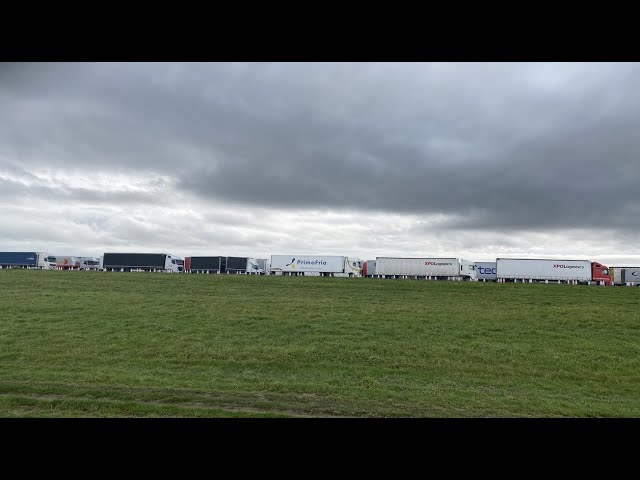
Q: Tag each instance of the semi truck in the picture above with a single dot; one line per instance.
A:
(550, 270)
(427, 268)
(148, 262)
(486, 271)
(89, 263)
(368, 268)
(229, 265)
(244, 265)
(65, 262)
(625, 276)
(27, 260)
(316, 265)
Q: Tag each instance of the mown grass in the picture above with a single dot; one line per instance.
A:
(95, 344)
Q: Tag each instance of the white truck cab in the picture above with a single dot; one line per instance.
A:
(88, 263)
(174, 264)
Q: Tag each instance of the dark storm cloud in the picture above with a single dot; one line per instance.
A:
(493, 146)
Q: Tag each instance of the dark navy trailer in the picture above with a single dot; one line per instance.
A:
(23, 260)
(206, 264)
(237, 264)
(134, 261)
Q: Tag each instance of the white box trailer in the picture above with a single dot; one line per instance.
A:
(428, 267)
(486, 271)
(626, 275)
(325, 265)
(536, 269)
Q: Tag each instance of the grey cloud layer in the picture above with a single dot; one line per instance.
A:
(493, 146)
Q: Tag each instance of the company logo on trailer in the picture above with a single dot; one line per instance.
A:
(487, 270)
(305, 262)
(562, 265)
(438, 263)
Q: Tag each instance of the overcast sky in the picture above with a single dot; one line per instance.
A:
(477, 160)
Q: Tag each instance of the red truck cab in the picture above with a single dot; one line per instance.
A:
(600, 273)
(364, 269)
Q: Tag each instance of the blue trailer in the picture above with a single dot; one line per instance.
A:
(26, 260)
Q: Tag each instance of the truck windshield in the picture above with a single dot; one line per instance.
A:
(180, 262)
(50, 259)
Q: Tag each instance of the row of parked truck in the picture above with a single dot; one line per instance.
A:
(502, 270)
(48, 262)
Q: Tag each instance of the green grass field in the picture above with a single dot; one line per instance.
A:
(95, 344)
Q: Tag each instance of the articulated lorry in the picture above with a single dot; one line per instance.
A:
(89, 263)
(532, 270)
(316, 265)
(229, 265)
(27, 260)
(427, 268)
(243, 265)
(147, 262)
